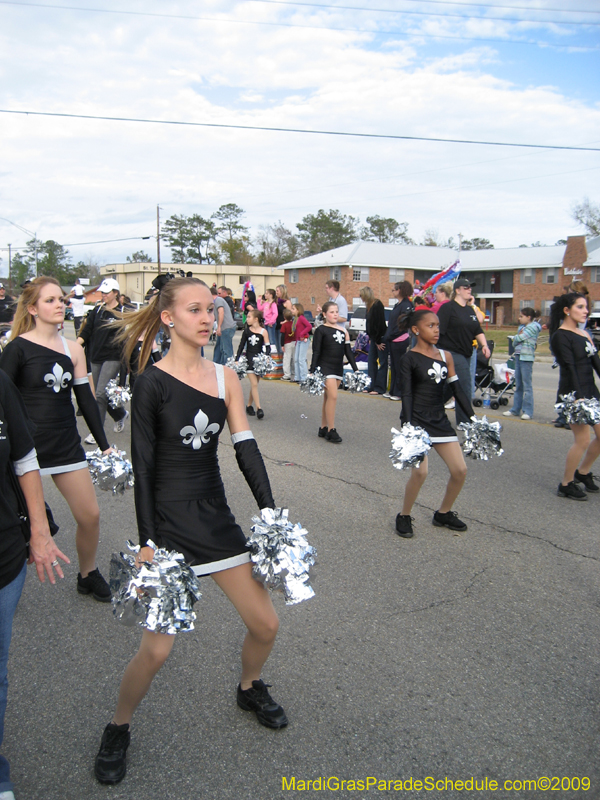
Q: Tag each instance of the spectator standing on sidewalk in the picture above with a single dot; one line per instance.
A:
(303, 331)
(77, 299)
(288, 333)
(458, 327)
(376, 330)
(333, 293)
(396, 340)
(525, 343)
(226, 327)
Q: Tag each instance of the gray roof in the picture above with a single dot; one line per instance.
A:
(593, 249)
(406, 256)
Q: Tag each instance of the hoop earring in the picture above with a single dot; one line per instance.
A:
(171, 324)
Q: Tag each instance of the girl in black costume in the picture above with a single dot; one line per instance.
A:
(330, 344)
(577, 357)
(180, 406)
(255, 339)
(424, 372)
(44, 367)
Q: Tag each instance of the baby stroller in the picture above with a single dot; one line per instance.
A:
(498, 381)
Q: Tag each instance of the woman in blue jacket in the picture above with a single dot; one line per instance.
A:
(525, 342)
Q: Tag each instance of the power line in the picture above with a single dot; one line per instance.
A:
(100, 241)
(299, 130)
(281, 24)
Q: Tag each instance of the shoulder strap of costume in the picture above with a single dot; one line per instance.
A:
(65, 345)
(443, 356)
(220, 373)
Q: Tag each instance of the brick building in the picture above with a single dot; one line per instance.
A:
(505, 280)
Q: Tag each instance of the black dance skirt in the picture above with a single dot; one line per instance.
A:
(204, 531)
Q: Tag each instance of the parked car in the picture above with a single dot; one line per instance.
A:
(358, 320)
(593, 326)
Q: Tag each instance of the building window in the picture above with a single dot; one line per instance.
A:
(525, 304)
(357, 301)
(293, 276)
(242, 279)
(293, 300)
(546, 306)
(550, 275)
(527, 276)
(360, 274)
(313, 271)
(312, 301)
(335, 274)
(396, 275)
(392, 302)
(595, 273)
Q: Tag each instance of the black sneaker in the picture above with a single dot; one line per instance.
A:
(404, 526)
(449, 520)
(333, 436)
(587, 480)
(323, 432)
(260, 413)
(268, 712)
(250, 411)
(95, 585)
(572, 491)
(110, 765)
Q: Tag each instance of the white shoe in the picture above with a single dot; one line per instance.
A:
(120, 424)
(7, 795)
(393, 397)
(525, 416)
(450, 404)
(509, 414)
(89, 439)
(386, 394)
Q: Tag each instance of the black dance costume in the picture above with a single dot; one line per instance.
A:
(44, 378)
(254, 343)
(577, 358)
(179, 495)
(328, 349)
(423, 381)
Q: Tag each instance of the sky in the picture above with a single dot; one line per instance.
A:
(510, 72)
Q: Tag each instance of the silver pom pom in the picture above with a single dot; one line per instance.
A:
(579, 412)
(281, 555)
(263, 364)
(356, 381)
(240, 366)
(159, 596)
(117, 395)
(112, 472)
(314, 383)
(410, 445)
(482, 438)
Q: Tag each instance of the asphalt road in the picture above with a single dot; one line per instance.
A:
(444, 656)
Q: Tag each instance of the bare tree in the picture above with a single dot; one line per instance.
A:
(587, 214)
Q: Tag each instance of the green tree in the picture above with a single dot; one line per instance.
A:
(229, 221)
(387, 230)
(587, 214)
(277, 245)
(139, 258)
(176, 233)
(326, 230)
(237, 250)
(476, 244)
(202, 240)
(20, 270)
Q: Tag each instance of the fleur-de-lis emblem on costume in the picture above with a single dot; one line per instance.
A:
(57, 379)
(254, 339)
(199, 433)
(589, 348)
(339, 337)
(438, 372)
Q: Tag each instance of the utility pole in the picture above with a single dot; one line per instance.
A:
(9, 269)
(158, 237)
(459, 242)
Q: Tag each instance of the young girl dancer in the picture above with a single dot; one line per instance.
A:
(330, 344)
(180, 407)
(424, 372)
(577, 358)
(256, 340)
(44, 367)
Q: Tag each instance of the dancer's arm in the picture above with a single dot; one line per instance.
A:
(457, 390)
(406, 383)
(316, 349)
(563, 352)
(144, 424)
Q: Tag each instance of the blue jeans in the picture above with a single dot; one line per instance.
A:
(274, 337)
(224, 346)
(301, 367)
(378, 373)
(473, 373)
(523, 399)
(9, 597)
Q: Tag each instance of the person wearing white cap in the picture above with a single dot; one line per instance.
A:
(98, 337)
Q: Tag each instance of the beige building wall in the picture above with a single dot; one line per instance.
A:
(135, 280)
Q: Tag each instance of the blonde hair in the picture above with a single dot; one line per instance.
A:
(446, 288)
(30, 295)
(366, 294)
(146, 322)
(283, 289)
